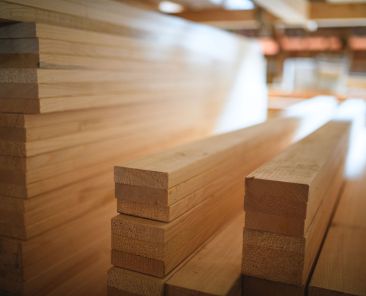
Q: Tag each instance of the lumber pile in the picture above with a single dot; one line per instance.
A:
(173, 202)
(85, 85)
(288, 203)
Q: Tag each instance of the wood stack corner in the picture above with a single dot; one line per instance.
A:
(171, 204)
(289, 202)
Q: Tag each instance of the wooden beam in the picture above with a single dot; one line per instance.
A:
(339, 11)
(194, 178)
(290, 11)
(342, 261)
(228, 19)
(288, 205)
(217, 15)
(214, 270)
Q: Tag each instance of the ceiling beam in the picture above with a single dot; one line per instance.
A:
(325, 14)
(293, 12)
(217, 15)
(339, 11)
(227, 19)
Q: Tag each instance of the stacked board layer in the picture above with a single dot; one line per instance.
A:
(289, 202)
(173, 202)
(85, 85)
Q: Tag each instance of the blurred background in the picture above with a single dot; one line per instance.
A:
(309, 46)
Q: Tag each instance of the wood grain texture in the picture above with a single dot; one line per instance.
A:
(81, 85)
(166, 185)
(301, 187)
(257, 287)
(156, 248)
(216, 268)
(340, 268)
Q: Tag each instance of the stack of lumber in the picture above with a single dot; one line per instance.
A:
(85, 85)
(341, 267)
(173, 204)
(288, 204)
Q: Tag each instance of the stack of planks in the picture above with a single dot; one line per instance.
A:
(341, 267)
(288, 204)
(181, 220)
(85, 85)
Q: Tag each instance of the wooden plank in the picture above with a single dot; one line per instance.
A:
(340, 269)
(195, 171)
(157, 247)
(126, 282)
(301, 187)
(337, 11)
(341, 264)
(165, 170)
(32, 267)
(216, 268)
(253, 286)
(41, 146)
(88, 167)
(350, 210)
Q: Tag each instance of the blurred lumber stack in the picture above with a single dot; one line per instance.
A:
(85, 85)
(172, 202)
(288, 204)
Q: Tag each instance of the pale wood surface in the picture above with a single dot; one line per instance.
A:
(340, 269)
(216, 268)
(105, 83)
(156, 248)
(165, 185)
(299, 186)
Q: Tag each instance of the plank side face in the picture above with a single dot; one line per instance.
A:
(82, 84)
(215, 269)
(341, 266)
(197, 170)
(273, 249)
(287, 185)
(157, 248)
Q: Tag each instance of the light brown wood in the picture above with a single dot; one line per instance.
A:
(253, 286)
(55, 163)
(300, 187)
(156, 248)
(28, 269)
(216, 268)
(340, 268)
(337, 11)
(166, 185)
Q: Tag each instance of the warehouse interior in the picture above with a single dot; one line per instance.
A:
(183, 147)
